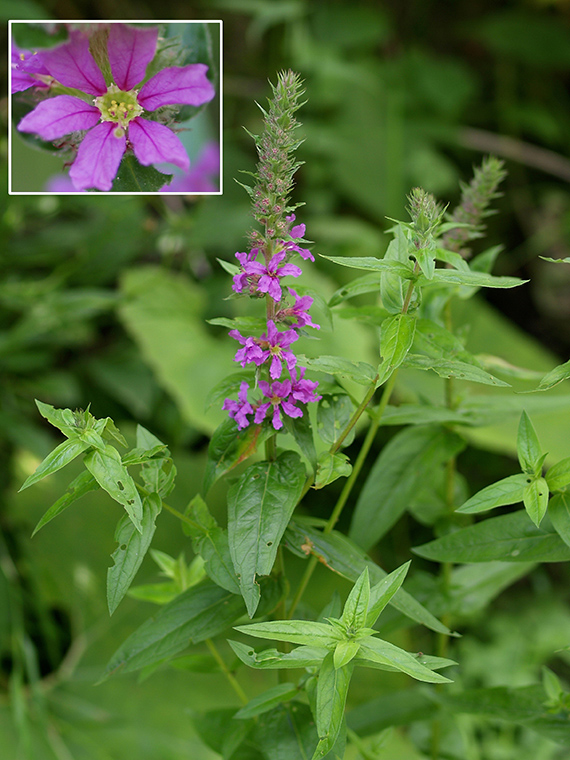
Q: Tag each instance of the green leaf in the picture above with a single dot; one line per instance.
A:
(302, 431)
(273, 659)
(528, 446)
(294, 631)
(396, 338)
(229, 447)
(479, 279)
(286, 733)
(368, 283)
(345, 651)
(260, 505)
(453, 368)
(555, 376)
(78, 487)
(332, 690)
(559, 513)
(360, 372)
(199, 613)
(62, 419)
(222, 734)
(402, 467)
(535, 499)
(108, 470)
(377, 265)
(506, 491)
(330, 467)
(356, 605)
(511, 538)
(133, 177)
(230, 384)
(398, 708)
(132, 548)
(558, 476)
(383, 591)
(391, 284)
(337, 552)
(211, 543)
(56, 459)
(283, 692)
(384, 653)
(334, 412)
(33, 36)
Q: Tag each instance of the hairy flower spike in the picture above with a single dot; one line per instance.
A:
(473, 206)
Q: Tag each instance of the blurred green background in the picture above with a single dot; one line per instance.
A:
(104, 301)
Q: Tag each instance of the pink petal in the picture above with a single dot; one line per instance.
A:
(131, 49)
(98, 158)
(59, 116)
(73, 65)
(177, 85)
(153, 142)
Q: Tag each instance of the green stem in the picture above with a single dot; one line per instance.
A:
(226, 671)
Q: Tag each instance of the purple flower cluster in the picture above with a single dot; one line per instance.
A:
(113, 116)
(272, 348)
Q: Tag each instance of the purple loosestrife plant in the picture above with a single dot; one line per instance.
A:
(107, 105)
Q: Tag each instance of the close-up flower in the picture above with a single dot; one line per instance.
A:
(108, 106)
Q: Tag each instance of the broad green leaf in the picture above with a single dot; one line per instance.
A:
(283, 692)
(56, 459)
(528, 445)
(397, 708)
(250, 325)
(368, 283)
(344, 652)
(286, 733)
(396, 338)
(133, 177)
(392, 285)
(385, 653)
(78, 487)
(260, 505)
(356, 605)
(559, 513)
(555, 376)
(273, 659)
(108, 470)
(423, 414)
(452, 368)
(337, 552)
(377, 265)
(360, 372)
(511, 538)
(199, 613)
(333, 414)
(230, 446)
(383, 591)
(558, 476)
(402, 467)
(479, 279)
(332, 690)
(222, 734)
(330, 467)
(211, 543)
(62, 419)
(473, 587)
(294, 631)
(497, 364)
(535, 499)
(506, 491)
(302, 431)
(128, 556)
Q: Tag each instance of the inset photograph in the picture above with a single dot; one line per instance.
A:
(115, 107)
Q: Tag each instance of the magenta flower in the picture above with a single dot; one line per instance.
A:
(251, 353)
(204, 174)
(275, 345)
(278, 394)
(299, 311)
(114, 118)
(270, 274)
(27, 70)
(243, 279)
(303, 390)
(238, 410)
(297, 232)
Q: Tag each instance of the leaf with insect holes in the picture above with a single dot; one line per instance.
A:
(108, 470)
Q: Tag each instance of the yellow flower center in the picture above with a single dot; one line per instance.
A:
(118, 106)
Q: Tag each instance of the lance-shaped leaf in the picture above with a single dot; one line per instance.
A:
(559, 513)
(399, 268)
(453, 368)
(402, 467)
(230, 446)
(62, 419)
(368, 283)
(158, 473)
(384, 653)
(199, 613)
(344, 652)
(56, 459)
(108, 470)
(360, 372)
(396, 338)
(383, 591)
(356, 605)
(511, 538)
(528, 445)
(211, 543)
(479, 279)
(132, 548)
(260, 506)
(283, 692)
(330, 467)
(273, 659)
(558, 476)
(535, 499)
(555, 376)
(294, 631)
(392, 284)
(302, 431)
(332, 690)
(506, 491)
(78, 487)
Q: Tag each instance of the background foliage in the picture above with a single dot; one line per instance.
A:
(104, 301)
